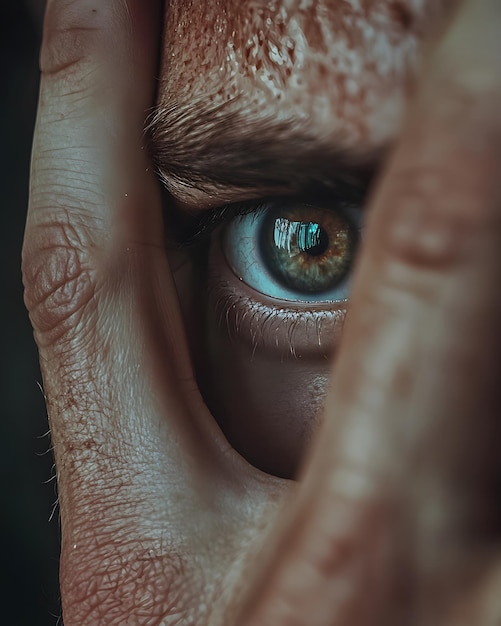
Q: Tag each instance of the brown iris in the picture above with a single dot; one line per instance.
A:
(307, 249)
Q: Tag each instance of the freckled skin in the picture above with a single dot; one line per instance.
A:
(340, 67)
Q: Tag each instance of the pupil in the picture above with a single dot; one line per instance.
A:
(316, 241)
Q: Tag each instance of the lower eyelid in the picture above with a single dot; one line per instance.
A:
(269, 326)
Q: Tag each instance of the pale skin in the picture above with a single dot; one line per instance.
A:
(395, 517)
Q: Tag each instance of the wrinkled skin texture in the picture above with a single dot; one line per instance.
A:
(395, 518)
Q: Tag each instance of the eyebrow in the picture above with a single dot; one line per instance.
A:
(224, 146)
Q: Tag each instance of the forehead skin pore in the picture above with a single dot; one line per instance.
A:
(341, 62)
(335, 70)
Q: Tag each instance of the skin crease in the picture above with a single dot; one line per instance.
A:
(341, 69)
(395, 518)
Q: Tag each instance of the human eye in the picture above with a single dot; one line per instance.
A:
(273, 293)
(294, 251)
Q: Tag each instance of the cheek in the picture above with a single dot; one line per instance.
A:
(267, 407)
(262, 370)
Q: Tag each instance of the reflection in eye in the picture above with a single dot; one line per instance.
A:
(294, 251)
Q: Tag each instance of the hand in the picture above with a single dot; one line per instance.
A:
(396, 517)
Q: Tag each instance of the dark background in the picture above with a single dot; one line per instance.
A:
(29, 527)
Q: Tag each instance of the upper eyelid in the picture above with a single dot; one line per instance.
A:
(205, 222)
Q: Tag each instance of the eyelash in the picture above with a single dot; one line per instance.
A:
(285, 323)
(199, 228)
(211, 220)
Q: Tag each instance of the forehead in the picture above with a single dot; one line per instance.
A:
(336, 67)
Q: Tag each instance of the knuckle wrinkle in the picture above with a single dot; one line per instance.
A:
(58, 280)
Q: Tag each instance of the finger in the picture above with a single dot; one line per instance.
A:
(391, 499)
(93, 266)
